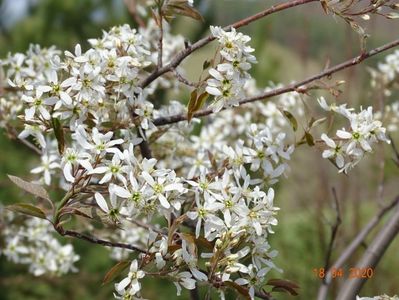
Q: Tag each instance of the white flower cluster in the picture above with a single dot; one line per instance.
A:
(382, 297)
(391, 114)
(230, 75)
(391, 66)
(32, 243)
(350, 146)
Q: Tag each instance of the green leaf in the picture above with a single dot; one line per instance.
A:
(291, 118)
(27, 209)
(29, 187)
(59, 134)
(115, 271)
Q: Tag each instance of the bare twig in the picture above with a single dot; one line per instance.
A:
(201, 43)
(372, 256)
(356, 242)
(95, 240)
(147, 226)
(183, 80)
(14, 136)
(334, 230)
(289, 88)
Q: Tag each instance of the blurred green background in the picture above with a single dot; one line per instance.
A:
(289, 46)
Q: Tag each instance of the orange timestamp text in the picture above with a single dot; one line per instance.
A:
(351, 273)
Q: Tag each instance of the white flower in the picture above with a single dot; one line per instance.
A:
(131, 281)
(36, 131)
(114, 210)
(48, 164)
(71, 159)
(184, 279)
(101, 143)
(114, 169)
(38, 106)
(206, 213)
(162, 186)
(336, 151)
(226, 88)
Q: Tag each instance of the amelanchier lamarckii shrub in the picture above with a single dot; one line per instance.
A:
(196, 209)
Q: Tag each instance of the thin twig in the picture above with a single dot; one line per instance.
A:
(95, 240)
(160, 44)
(289, 88)
(334, 230)
(353, 246)
(201, 43)
(147, 226)
(14, 136)
(183, 80)
(395, 152)
(372, 256)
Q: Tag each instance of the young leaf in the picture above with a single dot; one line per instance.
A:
(178, 7)
(281, 285)
(240, 289)
(115, 271)
(291, 118)
(191, 104)
(324, 5)
(206, 64)
(29, 187)
(309, 138)
(27, 209)
(59, 135)
(74, 211)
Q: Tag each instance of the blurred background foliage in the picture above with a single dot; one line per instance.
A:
(289, 46)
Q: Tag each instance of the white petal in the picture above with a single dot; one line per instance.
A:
(68, 172)
(164, 202)
(66, 98)
(101, 202)
(121, 192)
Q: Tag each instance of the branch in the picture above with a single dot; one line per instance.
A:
(295, 86)
(372, 256)
(144, 146)
(201, 43)
(356, 242)
(94, 240)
